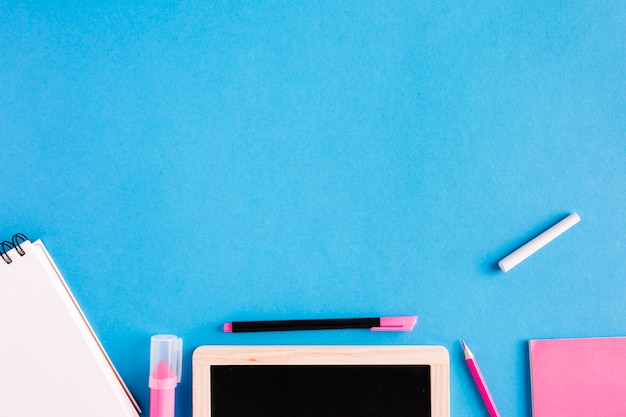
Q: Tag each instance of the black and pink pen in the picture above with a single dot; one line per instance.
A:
(392, 324)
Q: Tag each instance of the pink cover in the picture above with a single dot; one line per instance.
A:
(396, 324)
(578, 377)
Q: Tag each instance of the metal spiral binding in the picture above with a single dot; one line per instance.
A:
(7, 246)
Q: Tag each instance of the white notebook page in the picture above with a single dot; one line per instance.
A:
(52, 363)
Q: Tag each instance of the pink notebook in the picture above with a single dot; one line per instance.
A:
(578, 377)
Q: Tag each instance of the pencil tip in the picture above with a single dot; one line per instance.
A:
(468, 353)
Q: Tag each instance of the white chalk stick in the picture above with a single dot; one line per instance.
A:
(510, 261)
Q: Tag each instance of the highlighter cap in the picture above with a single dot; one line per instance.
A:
(166, 353)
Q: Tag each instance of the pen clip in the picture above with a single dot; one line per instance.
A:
(396, 324)
(178, 345)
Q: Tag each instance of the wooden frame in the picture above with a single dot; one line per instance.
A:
(435, 356)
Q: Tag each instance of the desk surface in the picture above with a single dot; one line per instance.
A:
(192, 164)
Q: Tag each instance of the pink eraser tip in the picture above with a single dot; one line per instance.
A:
(228, 327)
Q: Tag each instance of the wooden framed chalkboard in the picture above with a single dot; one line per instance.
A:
(330, 381)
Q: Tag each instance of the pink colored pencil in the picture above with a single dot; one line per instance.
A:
(480, 382)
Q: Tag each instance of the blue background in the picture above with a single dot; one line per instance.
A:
(194, 163)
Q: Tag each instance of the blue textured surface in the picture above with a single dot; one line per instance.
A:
(192, 164)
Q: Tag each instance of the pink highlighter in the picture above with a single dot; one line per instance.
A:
(165, 370)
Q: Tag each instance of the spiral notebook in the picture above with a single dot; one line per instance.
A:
(52, 362)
